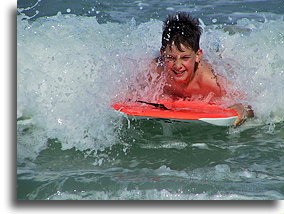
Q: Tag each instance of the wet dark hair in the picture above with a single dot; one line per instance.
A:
(181, 29)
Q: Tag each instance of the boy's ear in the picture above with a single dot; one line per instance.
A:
(199, 54)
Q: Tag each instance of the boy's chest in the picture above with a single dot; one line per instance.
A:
(173, 88)
(195, 88)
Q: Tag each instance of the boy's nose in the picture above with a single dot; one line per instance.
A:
(178, 64)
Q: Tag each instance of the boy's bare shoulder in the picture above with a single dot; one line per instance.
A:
(205, 67)
(206, 71)
(208, 78)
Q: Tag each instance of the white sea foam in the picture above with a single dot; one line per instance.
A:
(166, 177)
(71, 68)
(156, 194)
(251, 55)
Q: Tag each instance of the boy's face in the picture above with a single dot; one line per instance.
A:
(180, 65)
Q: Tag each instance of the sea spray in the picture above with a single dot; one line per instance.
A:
(71, 68)
(250, 55)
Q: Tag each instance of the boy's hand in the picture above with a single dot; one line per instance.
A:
(243, 113)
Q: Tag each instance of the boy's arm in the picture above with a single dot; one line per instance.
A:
(216, 84)
(244, 112)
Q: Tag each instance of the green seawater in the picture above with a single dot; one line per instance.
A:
(74, 57)
(157, 160)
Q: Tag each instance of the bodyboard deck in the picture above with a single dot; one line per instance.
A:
(179, 110)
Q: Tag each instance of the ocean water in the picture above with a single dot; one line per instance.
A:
(74, 58)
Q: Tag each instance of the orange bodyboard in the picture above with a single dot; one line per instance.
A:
(179, 110)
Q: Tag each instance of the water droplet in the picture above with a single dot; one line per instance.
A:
(60, 121)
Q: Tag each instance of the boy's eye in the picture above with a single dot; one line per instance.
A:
(169, 58)
(185, 57)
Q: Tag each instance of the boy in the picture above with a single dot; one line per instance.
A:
(181, 62)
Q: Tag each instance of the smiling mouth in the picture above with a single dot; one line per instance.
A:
(178, 73)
